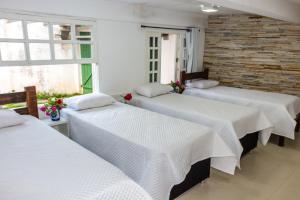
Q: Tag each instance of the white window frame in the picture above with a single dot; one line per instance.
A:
(51, 20)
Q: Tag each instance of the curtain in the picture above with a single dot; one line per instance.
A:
(193, 50)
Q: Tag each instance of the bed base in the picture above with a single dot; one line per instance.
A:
(298, 123)
(199, 172)
(249, 142)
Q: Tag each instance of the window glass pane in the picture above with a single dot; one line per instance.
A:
(63, 51)
(11, 29)
(150, 78)
(83, 32)
(155, 77)
(156, 66)
(151, 54)
(151, 42)
(83, 51)
(156, 54)
(38, 30)
(39, 51)
(156, 41)
(151, 66)
(12, 51)
(62, 32)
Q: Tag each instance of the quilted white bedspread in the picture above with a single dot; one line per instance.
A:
(156, 151)
(281, 109)
(230, 121)
(38, 163)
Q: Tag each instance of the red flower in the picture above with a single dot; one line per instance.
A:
(59, 101)
(177, 83)
(53, 108)
(43, 108)
(128, 97)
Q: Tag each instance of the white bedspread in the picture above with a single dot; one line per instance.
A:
(156, 151)
(281, 109)
(231, 122)
(38, 163)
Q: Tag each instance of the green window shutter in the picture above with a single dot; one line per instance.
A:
(86, 69)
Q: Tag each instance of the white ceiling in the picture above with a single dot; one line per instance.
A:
(294, 1)
(181, 5)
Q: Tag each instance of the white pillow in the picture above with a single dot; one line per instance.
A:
(10, 118)
(87, 101)
(203, 84)
(153, 89)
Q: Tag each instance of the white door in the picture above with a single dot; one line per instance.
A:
(153, 56)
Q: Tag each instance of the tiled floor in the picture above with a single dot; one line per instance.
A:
(268, 173)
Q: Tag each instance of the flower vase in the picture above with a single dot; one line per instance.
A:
(55, 116)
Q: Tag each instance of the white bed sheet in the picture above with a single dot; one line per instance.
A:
(37, 162)
(231, 122)
(281, 109)
(156, 151)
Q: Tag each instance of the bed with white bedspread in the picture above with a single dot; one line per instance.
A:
(37, 162)
(231, 122)
(156, 151)
(281, 109)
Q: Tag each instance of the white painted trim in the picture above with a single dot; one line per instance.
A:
(96, 78)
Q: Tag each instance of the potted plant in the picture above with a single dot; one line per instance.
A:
(177, 87)
(53, 107)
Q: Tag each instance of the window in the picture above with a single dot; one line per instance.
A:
(56, 54)
(27, 40)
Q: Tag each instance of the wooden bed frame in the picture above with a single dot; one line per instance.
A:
(249, 142)
(28, 96)
(195, 75)
(204, 75)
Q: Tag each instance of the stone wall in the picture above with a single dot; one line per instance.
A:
(255, 52)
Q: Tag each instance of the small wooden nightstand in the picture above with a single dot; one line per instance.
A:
(61, 125)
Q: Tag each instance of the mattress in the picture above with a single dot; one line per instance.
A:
(229, 121)
(38, 163)
(281, 109)
(156, 151)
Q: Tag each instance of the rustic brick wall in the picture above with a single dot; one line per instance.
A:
(250, 51)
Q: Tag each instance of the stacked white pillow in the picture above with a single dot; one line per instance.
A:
(153, 89)
(203, 84)
(88, 101)
(10, 118)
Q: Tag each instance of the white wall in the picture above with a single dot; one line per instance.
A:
(121, 40)
(122, 56)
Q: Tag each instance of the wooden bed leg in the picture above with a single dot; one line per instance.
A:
(281, 141)
(31, 101)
